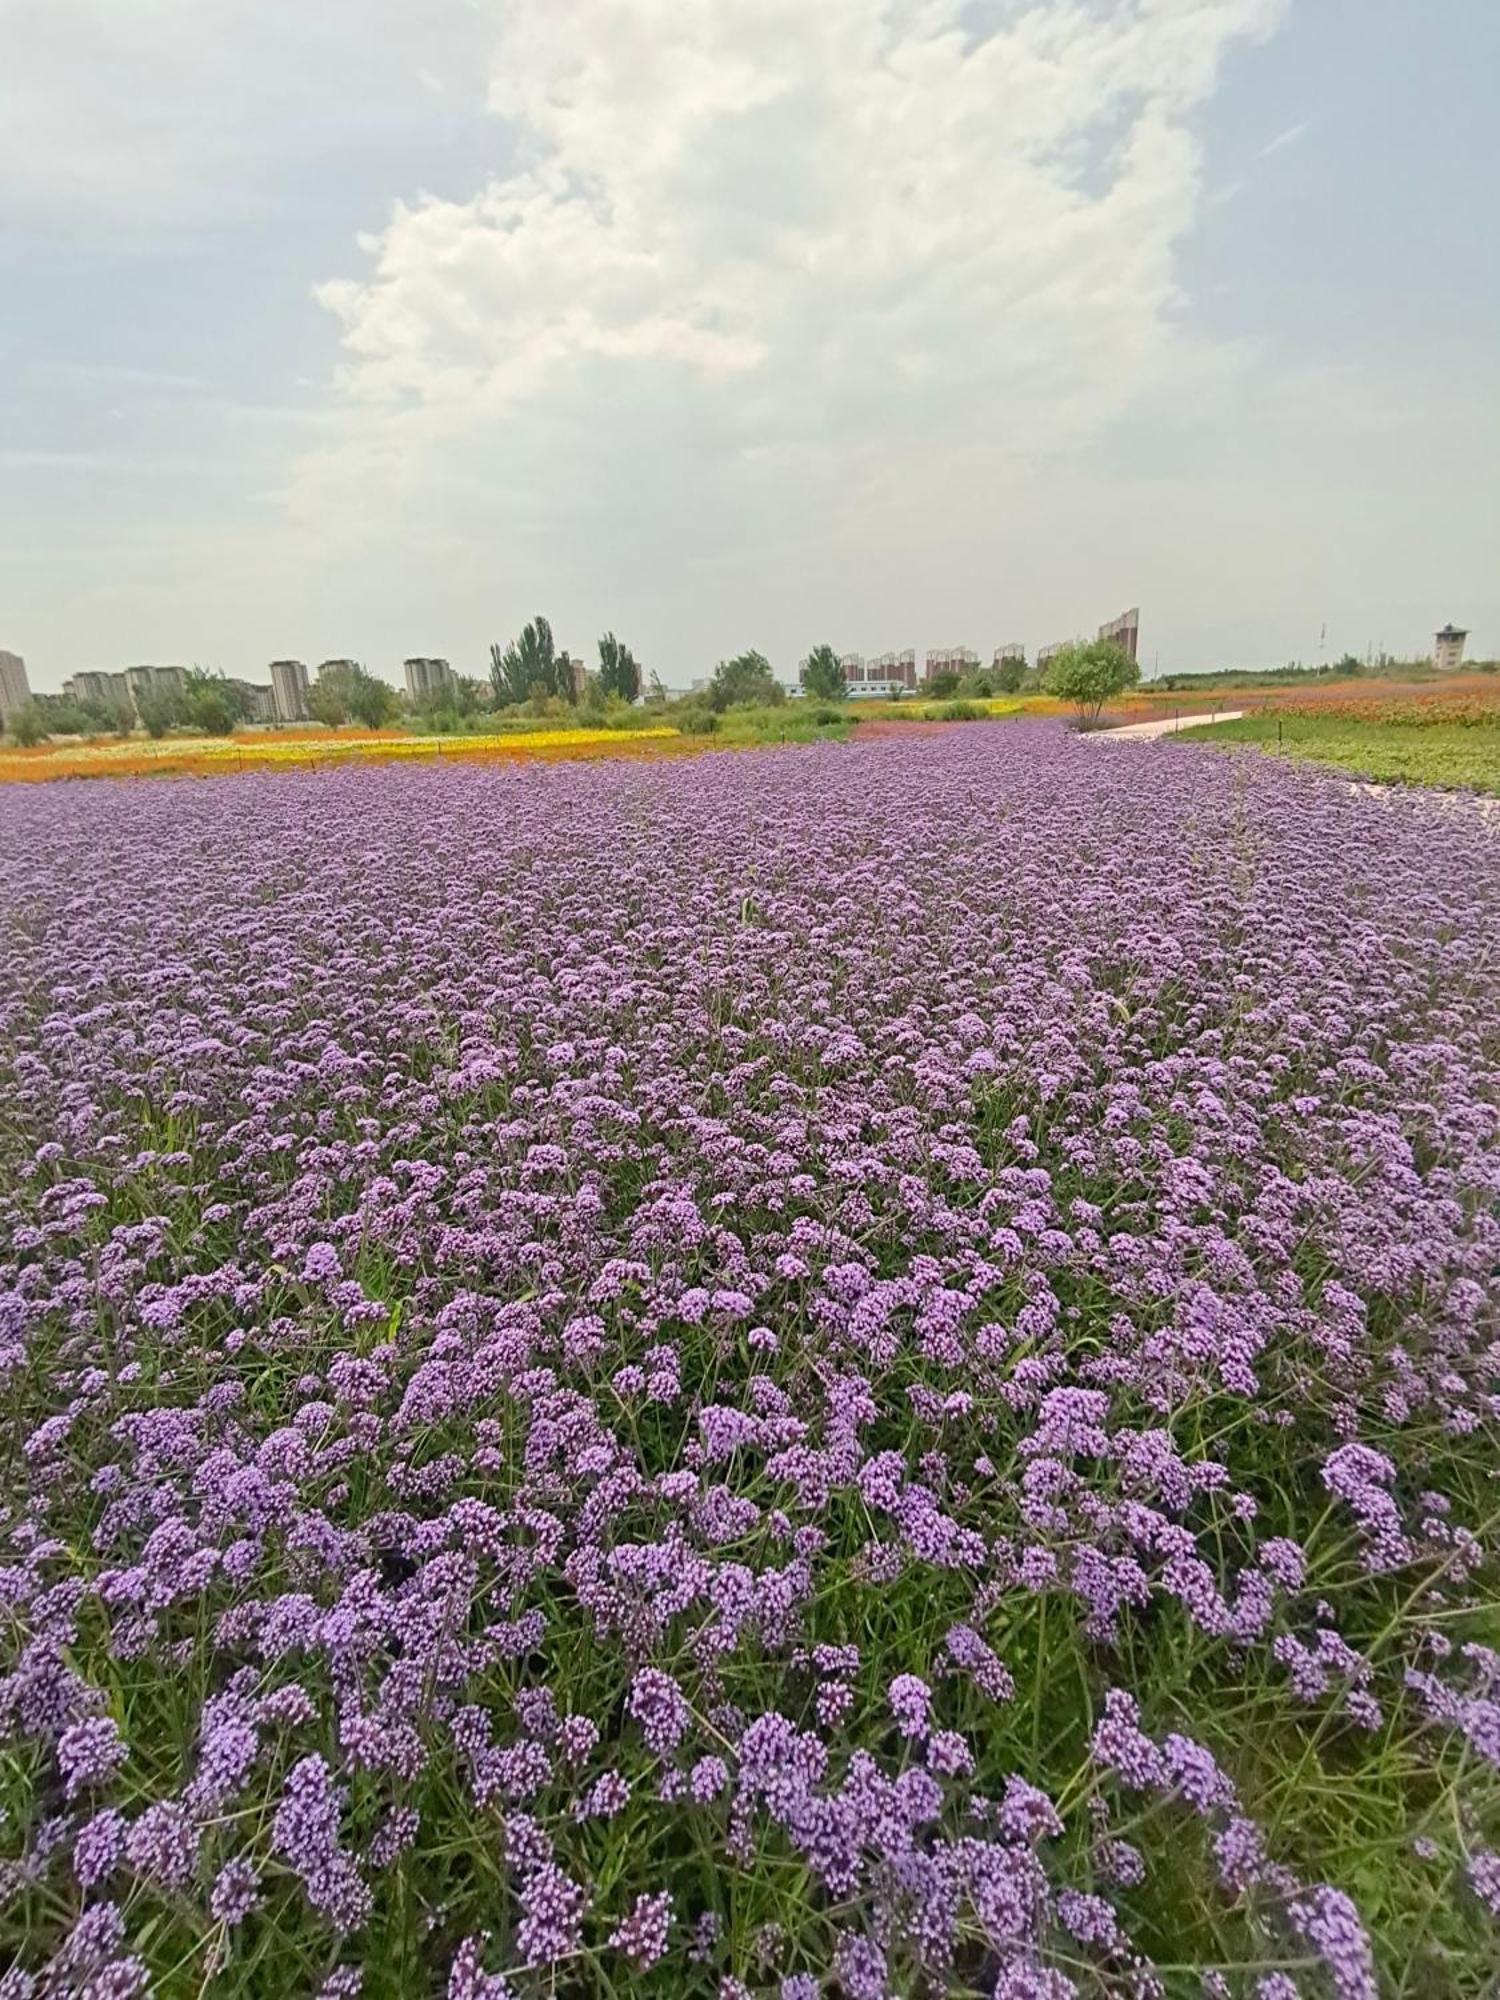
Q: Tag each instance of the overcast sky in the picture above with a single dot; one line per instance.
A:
(372, 327)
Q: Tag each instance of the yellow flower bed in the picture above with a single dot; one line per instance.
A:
(208, 756)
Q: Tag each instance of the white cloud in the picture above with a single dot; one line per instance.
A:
(756, 259)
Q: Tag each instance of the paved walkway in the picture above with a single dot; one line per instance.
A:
(1167, 726)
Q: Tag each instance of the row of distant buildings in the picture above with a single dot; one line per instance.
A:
(131, 692)
(428, 681)
(896, 673)
(282, 699)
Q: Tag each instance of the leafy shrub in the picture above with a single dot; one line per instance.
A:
(28, 725)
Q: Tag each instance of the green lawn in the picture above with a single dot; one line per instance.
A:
(1450, 755)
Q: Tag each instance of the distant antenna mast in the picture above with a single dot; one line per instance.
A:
(1323, 643)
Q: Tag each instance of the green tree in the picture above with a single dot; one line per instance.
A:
(745, 681)
(211, 711)
(372, 701)
(942, 685)
(28, 724)
(509, 673)
(526, 667)
(1009, 675)
(157, 712)
(619, 670)
(214, 704)
(1089, 674)
(61, 715)
(327, 701)
(822, 676)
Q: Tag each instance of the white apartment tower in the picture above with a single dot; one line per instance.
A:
(289, 690)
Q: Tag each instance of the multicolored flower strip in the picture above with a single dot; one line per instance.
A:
(863, 1372)
(223, 756)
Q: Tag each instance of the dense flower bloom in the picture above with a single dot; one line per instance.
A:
(90, 1753)
(467, 1978)
(880, 1317)
(235, 1893)
(1330, 1923)
(656, 1703)
(1484, 1879)
(305, 1834)
(642, 1937)
(553, 1907)
(909, 1698)
(163, 1845)
(98, 1847)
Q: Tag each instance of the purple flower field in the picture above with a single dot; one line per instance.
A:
(866, 1371)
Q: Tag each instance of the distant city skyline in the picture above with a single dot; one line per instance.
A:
(373, 329)
(284, 683)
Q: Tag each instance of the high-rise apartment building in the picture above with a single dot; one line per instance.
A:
(1447, 648)
(15, 689)
(1125, 631)
(1011, 651)
(289, 690)
(428, 681)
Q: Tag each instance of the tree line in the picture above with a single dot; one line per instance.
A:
(531, 666)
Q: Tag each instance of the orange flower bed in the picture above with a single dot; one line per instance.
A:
(1469, 707)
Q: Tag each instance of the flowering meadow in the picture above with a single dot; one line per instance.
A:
(864, 1371)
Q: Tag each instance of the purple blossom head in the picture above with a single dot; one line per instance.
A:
(235, 1893)
(658, 1705)
(552, 1907)
(910, 1699)
(1329, 1924)
(467, 1978)
(162, 1845)
(642, 1936)
(98, 1848)
(90, 1753)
